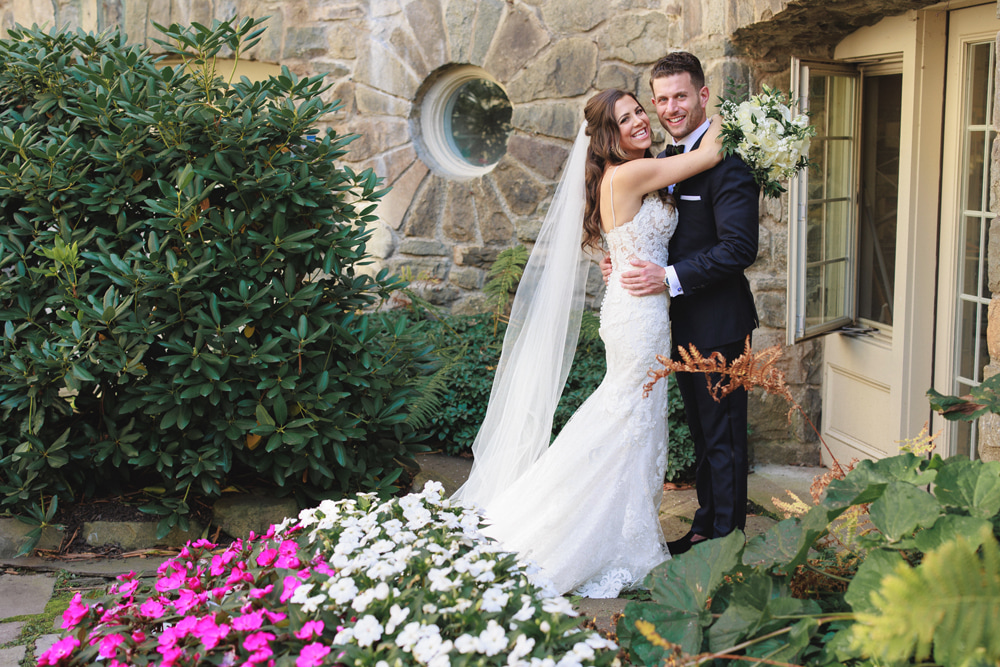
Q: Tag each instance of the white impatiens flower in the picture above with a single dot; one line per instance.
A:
(440, 581)
(362, 600)
(569, 660)
(430, 647)
(583, 651)
(397, 615)
(384, 569)
(493, 639)
(522, 647)
(367, 631)
(558, 605)
(526, 611)
(392, 526)
(494, 599)
(599, 643)
(309, 604)
(383, 546)
(543, 662)
(468, 644)
(409, 636)
(342, 590)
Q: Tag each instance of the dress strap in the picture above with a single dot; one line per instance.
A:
(611, 191)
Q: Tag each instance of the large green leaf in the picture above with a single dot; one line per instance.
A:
(776, 547)
(969, 485)
(905, 467)
(695, 575)
(876, 567)
(683, 627)
(862, 485)
(950, 527)
(902, 509)
(746, 612)
(680, 589)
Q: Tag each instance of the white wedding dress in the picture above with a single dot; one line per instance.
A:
(587, 511)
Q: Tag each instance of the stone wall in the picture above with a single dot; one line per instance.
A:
(550, 56)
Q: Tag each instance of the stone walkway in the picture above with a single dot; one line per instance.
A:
(28, 585)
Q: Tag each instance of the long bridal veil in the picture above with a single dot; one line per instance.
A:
(539, 345)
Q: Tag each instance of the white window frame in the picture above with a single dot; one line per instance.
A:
(847, 321)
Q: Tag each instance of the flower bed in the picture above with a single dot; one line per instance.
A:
(357, 582)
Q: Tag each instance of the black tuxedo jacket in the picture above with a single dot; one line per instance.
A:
(715, 241)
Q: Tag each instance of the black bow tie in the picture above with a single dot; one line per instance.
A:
(673, 149)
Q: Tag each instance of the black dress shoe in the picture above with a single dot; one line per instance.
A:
(685, 543)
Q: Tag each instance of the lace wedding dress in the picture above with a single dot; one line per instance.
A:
(587, 511)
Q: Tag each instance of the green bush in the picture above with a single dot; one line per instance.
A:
(179, 287)
(472, 350)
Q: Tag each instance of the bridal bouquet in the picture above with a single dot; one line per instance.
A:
(768, 135)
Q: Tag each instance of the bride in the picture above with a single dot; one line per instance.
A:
(586, 508)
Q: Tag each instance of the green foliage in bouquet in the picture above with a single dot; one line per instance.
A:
(178, 280)
(408, 581)
(927, 587)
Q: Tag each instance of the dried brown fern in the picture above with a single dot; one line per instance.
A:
(748, 371)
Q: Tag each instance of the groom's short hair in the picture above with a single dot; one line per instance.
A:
(678, 62)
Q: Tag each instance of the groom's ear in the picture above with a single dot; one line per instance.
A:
(704, 96)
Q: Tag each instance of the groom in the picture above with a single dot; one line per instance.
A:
(711, 304)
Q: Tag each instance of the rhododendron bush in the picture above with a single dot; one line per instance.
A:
(357, 582)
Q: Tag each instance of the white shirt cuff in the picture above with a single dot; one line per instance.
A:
(673, 283)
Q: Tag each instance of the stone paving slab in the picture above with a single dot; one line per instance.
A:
(44, 643)
(10, 631)
(11, 657)
(25, 594)
(107, 568)
(772, 481)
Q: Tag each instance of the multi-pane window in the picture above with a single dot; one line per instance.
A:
(975, 216)
(843, 235)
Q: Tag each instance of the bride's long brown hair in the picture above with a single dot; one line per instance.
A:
(605, 149)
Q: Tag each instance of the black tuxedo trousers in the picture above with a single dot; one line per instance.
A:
(715, 241)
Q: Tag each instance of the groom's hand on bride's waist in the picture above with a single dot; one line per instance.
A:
(605, 265)
(644, 278)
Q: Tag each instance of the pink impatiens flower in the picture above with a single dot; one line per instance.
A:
(257, 641)
(61, 649)
(109, 645)
(170, 655)
(266, 557)
(250, 621)
(209, 632)
(289, 586)
(309, 630)
(260, 645)
(258, 593)
(75, 613)
(312, 655)
(287, 558)
(151, 608)
(171, 581)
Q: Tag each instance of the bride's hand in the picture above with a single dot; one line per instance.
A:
(711, 139)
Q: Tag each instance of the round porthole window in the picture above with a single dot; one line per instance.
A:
(464, 122)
